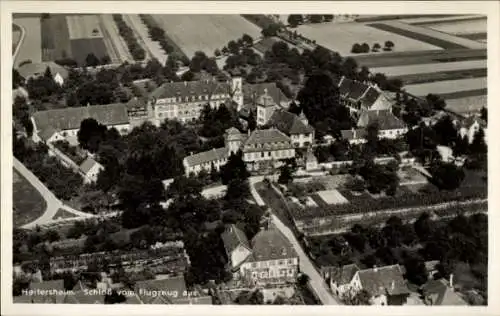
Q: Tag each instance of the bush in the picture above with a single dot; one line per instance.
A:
(356, 49)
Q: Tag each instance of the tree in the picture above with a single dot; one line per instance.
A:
(91, 60)
(295, 19)
(217, 52)
(247, 40)
(234, 169)
(271, 30)
(184, 187)
(365, 48)
(315, 18)
(484, 114)
(356, 48)
(415, 270)
(17, 80)
(353, 297)
(233, 47)
(389, 45)
(435, 102)
(285, 176)
(446, 132)
(424, 227)
(376, 47)
(187, 76)
(252, 121)
(225, 50)
(90, 134)
(328, 17)
(447, 176)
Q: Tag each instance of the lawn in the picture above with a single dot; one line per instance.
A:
(447, 86)
(332, 197)
(420, 57)
(434, 67)
(63, 214)
(432, 37)
(204, 32)
(467, 104)
(340, 37)
(31, 47)
(475, 36)
(411, 176)
(27, 201)
(459, 27)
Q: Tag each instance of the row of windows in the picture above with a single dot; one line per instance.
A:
(192, 98)
(264, 154)
(282, 272)
(266, 264)
(267, 145)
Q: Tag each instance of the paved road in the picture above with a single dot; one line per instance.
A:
(19, 44)
(53, 203)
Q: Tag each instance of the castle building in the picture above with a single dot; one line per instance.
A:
(184, 101)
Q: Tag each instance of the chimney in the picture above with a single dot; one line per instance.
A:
(451, 281)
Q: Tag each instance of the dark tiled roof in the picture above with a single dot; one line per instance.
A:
(136, 104)
(47, 133)
(440, 293)
(38, 69)
(70, 118)
(370, 97)
(352, 89)
(340, 275)
(265, 136)
(234, 237)
(382, 280)
(207, 156)
(234, 134)
(350, 134)
(289, 123)
(251, 92)
(191, 89)
(386, 120)
(271, 245)
(87, 165)
(469, 121)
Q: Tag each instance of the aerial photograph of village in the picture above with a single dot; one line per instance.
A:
(249, 159)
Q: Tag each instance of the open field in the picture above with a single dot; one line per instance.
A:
(425, 68)
(442, 76)
(204, 32)
(420, 57)
(460, 27)
(115, 44)
(447, 86)
(27, 201)
(55, 38)
(467, 104)
(475, 36)
(465, 94)
(31, 47)
(440, 18)
(443, 40)
(83, 26)
(341, 36)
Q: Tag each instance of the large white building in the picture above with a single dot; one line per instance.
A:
(59, 124)
(184, 101)
(269, 259)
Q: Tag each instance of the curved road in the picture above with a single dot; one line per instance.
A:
(53, 203)
(19, 44)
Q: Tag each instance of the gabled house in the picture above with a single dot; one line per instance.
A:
(361, 96)
(35, 70)
(90, 169)
(470, 126)
(339, 278)
(385, 285)
(295, 126)
(237, 247)
(440, 292)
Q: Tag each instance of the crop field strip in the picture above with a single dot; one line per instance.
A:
(442, 76)
(459, 27)
(447, 86)
(83, 26)
(150, 18)
(55, 38)
(109, 26)
(435, 67)
(422, 57)
(465, 94)
(467, 104)
(340, 37)
(204, 32)
(375, 18)
(474, 36)
(111, 46)
(31, 47)
(441, 19)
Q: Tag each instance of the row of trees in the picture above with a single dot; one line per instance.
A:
(157, 34)
(296, 19)
(365, 48)
(234, 46)
(126, 32)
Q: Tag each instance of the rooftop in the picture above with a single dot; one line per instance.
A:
(206, 156)
(192, 89)
(381, 280)
(270, 244)
(252, 91)
(352, 134)
(233, 237)
(38, 69)
(340, 275)
(440, 293)
(265, 136)
(385, 119)
(289, 123)
(88, 164)
(71, 117)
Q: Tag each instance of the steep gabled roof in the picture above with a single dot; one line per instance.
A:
(88, 164)
(252, 91)
(270, 244)
(340, 275)
(289, 123)
(233, 237)
(352, 89)
(206, 156)
(351, 134)
(382, 280)
(370, 97)
(386, 120)
(440, 293)
(38, 69)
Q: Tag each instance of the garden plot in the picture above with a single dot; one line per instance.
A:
(203, 32)
(447, 86)
(31, 46)
(426, 68)
(332, 197)
(340, 37)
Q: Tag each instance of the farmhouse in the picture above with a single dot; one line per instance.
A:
(261, 149)
(268, 259)
(34, 70)
(58, 124)
(385, 285)
(90, 169)
(360, 96)
(185, 100)
(440, 292)
(339, 278)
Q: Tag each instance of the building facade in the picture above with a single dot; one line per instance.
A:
(184, 101)
(362, 96)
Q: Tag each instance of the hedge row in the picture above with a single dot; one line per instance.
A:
(126, 32)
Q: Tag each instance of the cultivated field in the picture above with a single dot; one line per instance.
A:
(27, 201)
(83, 26)
(31, 47)
(430, 36)
(340, 37)
(434, 19)
(448, 86)
(204, 32)
(459, 27)
(467, 104)
(115, 44)
(434, 67)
